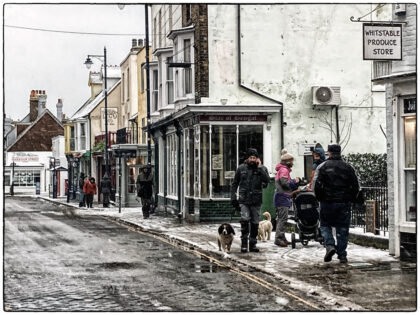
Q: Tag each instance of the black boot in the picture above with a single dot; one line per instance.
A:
(253, 238)
(244, 245)
(244, 236)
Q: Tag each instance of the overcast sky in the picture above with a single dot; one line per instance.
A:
(50, 61)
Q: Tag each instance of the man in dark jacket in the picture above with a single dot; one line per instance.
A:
(335, 185)
(144, 185)
(251, 177)
(106, 190)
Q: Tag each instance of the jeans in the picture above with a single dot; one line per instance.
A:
(81, 198)
(250, 215)
(335, 215)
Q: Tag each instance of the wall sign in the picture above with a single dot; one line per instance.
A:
(112, 118)
(305, 148)
(25, 157)
(233, 118)
(382, 42)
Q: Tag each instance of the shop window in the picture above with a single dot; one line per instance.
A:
(131, 180)
(205, 162)
(161, 169)
(26, 177)
(410, 168)
(223, 160)
(6, 179)
(189, 159)
(250, 137)
(172, 164)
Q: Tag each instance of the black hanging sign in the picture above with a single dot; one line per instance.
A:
(410, 106)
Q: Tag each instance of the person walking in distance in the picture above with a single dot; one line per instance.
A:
(106, 190)
(335, 185)
(90, 189)
(144, 185)
(285, 185)
(82, 201)
(251, 177)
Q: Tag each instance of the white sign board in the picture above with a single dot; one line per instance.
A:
(382, 42)
(112, 118)
(305, 148)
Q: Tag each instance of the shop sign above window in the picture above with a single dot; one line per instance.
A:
(234, 118)
(382, 41)
(410, 106)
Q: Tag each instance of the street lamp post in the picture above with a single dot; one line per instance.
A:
(149, 146)
(88, 64)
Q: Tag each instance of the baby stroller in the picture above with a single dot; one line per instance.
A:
(306, 216)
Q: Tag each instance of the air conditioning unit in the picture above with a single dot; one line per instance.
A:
(326, 95)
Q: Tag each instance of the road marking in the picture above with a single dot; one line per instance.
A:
(253, 278)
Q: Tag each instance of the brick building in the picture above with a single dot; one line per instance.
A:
(29, 147)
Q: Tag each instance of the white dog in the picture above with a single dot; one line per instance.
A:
(265, 227)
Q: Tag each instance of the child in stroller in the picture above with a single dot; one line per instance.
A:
(306, 216)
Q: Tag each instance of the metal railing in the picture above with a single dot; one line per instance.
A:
(126, 135)
(378, 192)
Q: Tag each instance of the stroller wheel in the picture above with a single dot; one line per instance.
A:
(305, 242)
(293, 240)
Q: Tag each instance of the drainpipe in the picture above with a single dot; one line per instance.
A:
(251, 90)
(336, 124)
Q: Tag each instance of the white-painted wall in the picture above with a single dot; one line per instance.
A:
(287, 49)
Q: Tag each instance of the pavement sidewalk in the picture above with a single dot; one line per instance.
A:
(339, 286)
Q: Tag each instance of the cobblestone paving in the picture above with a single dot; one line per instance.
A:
(56, 261)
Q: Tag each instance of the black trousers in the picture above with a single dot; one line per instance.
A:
(89, 200)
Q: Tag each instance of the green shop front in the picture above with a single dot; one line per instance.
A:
(198, 150)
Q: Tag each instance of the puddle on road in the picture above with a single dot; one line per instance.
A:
(207, 267)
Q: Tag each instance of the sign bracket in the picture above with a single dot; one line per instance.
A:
(379, 22)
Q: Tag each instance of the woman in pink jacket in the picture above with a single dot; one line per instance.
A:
(285, 185)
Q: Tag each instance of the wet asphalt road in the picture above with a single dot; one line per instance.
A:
(56, 261)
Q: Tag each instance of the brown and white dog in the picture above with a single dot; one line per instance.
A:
(265, 227)
(225, 237)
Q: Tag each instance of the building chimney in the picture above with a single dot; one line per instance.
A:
(33, 106)
(140, 42)
(133, 42)
(42, 100)
(60, 109)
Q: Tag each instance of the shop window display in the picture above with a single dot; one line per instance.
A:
(250, 137)
(205, 162)
(223, 159)
(410, 167)
(26, 177)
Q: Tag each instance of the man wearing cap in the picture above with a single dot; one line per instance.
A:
(335, 185)
(251, 177)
